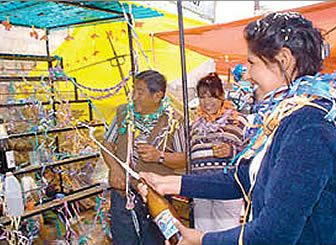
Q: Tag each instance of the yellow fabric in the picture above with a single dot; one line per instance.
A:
(91, 45)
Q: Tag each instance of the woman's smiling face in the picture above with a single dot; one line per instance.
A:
(209, 104)
(265, 76)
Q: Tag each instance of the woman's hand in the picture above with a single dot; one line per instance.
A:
(222, 150)
(148, 153)
(165, 185)
(189, 236)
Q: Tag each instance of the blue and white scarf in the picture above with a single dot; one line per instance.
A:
(320, 85)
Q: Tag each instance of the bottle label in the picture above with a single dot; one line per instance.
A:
(165, 222)
(10, 159)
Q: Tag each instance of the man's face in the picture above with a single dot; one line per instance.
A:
(144, 101)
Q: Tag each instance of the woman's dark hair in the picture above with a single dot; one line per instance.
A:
(211, 83)
(266, 36)
(155, 81)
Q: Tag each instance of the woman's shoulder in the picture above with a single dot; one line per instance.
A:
(310, 120)
(313, 114)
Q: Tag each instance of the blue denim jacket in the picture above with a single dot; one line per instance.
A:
(294, 199)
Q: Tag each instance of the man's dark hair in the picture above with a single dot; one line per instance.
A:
(155, 81)
(211, 83)
(268, 35)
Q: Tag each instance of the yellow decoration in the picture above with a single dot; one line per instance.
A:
(103, 75)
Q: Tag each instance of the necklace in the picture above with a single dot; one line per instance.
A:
(138, 123)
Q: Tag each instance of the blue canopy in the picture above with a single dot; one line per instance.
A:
(58, 14)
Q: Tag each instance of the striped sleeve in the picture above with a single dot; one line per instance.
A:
(237, 129)
(242, 123)
(179, 139)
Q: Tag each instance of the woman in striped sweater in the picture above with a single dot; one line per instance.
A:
(217, 136)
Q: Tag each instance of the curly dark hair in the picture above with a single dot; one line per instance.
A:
(211, 83)
(268, 35)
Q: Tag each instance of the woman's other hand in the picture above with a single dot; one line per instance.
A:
(189, 236)
(222, 150)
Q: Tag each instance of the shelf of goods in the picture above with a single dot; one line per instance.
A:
(45, 128)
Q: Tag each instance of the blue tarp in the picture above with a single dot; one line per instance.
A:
(58, 14)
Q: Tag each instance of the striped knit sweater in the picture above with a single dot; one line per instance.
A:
(228, 127)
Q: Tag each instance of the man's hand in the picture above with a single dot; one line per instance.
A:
(189, 236)
(117, 176)
(222, 150)
(148, 153)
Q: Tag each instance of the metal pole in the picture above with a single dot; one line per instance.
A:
(228, 84)
(256, 6)
(185, 87)
(48, 49)
(130, 42)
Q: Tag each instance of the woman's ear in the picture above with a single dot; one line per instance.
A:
(286, 59)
